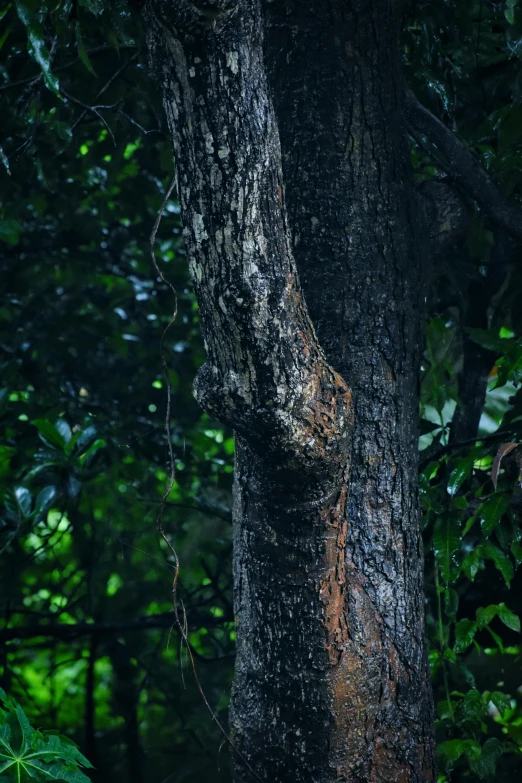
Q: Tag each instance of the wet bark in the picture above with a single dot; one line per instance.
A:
(331, 680)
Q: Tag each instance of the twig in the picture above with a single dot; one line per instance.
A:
(39, 77)
(435, 455)
(105, 87)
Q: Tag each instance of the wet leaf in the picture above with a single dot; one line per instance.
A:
(504, 449)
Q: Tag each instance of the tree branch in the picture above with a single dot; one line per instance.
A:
(445, 215)
(73, 631)
(464, 168)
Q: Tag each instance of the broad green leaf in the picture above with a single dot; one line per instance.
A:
(472, 707)
(93, 448)
(82, 51)
(64, 429)
(471, 563)
(516, 551)
(44, 500)
(87, 436)
(485, 615)
(31, 754)
(36, 43)
(491, 512)
(489, 339)
(501, 701)
(501, 560)
(50, 432)
(454, 749)
(460, 473)
(509, 11)
(465, 631)
(485, 764)
(471, 521)
(496, 638)
(509, 618)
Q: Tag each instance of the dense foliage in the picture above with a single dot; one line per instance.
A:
(26, 753)
(88, 641)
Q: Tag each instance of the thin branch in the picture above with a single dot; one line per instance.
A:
(448, 448)
(464, 168)
(105, 87)
(93, 109)
(39, 77)
(76, 630)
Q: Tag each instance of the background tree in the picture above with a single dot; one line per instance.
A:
(80, 219)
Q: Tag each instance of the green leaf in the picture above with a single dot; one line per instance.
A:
(496, 638)
(472, 707)
(509, 11)
(64, 429)
(501, 560)
(50, 432)
(37, 755)
(509, 618)
(465, 631)
(93, 448)
(516, 551)
(24, 501)
(489, 339)
(469, 524)
(82, 51)
(485, 764)
(26, 728)
(87, 436)
(44, 500)
(460, 473)
(501, 701)
(485, 615)
(454, 749)
(36, 43)
(491, 512)
(471, 563)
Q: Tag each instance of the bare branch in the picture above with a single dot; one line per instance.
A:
(445, 215)
(75, 630)
(464, 168)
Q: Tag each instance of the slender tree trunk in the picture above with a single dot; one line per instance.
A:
(331, 680)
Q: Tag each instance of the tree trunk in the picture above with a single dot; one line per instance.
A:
(289, 140)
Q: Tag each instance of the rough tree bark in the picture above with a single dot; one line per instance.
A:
(288, 127)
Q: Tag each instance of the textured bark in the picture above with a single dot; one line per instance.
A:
(338, 93)
(331, 680)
